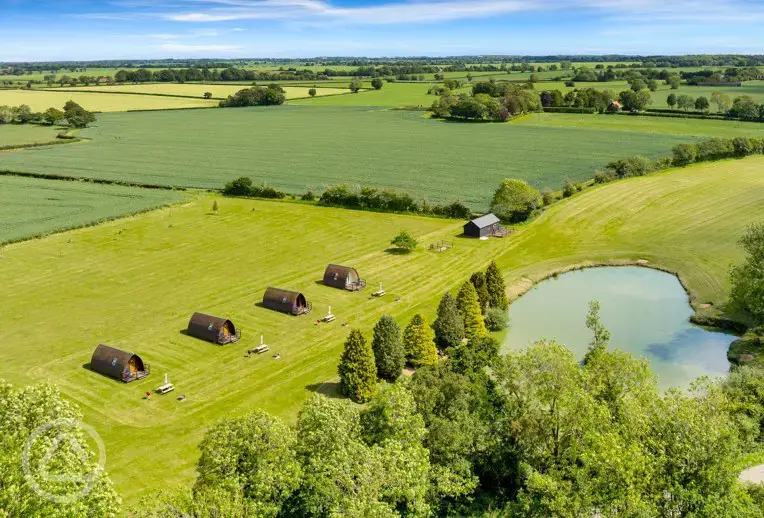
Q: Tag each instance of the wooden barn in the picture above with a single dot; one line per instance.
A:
(483, 226)
(343, 277)
(217, 330)
(118, 364)
(286, 301)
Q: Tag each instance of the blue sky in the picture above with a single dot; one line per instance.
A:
(123, 29)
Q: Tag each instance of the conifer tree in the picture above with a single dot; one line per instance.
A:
(478, 281)
(497, 290)
(358, 373)
(388, 349)
(469, 307)
(419, 342)
(449, 326)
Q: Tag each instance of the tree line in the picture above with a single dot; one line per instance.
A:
(74, 115)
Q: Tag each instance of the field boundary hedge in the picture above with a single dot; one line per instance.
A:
(100, 181)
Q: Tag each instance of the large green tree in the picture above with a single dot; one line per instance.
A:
(601, 336)
(469, 307)
(497, 290)
(389, 354)
(478, 281)
(419, 342)
(357, 369)
(515, 200)
(748, 278)
(253, 455)
(77, 116)
(449, 324)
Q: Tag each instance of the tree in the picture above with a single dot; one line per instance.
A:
(419, 342)
(496, 319)
(404, 242)
(449, 324)
(722, 101)
(684, 154)
(702, 104)
(23, 113)
(52, 116)
(272, 95)
(478, 281)
(47, 467)
(254, 455)
(355, 85)
(497, 290)
(638, 84)
(389, 354)
(635, 101)
(671, 101)
(469, 308)
(747, 279)
(207, 95)
(377, 83)
(601, 336)
(312, 92)
(357, 370)
(515, 200)
(685, 102)
(77, 116)
(652, 85)
(674, 82)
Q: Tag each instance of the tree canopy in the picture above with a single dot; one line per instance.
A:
(515, 200)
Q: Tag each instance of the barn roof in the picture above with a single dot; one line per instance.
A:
(485, 221)
(110, 360)
(207, 327)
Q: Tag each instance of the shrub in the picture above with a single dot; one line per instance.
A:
(312, 92)
(568, 188)
(308, 196)
(515, 200)
(243, 187)
(496, 319)
(743, 146)
(604, 176)
(684, 154)
(632, 166)
(547, 196)
(255, 96)
(404, 241)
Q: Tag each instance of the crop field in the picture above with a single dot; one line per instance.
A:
(297, 148)
(704, 128)
(41, 100)
(218, 91)
(32, 207)
(25, 134)
(111, 285)
(391, 94)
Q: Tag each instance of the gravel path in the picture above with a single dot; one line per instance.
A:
(754, 474)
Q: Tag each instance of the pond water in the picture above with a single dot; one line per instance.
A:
(647, 312)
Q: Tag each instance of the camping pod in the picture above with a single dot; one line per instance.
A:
(217, 330)
(118, 364)
(343, 277)
(286, 301)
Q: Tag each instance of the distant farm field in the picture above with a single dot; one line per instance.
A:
(660, 125)
(41, 100)
(219, 91)
(391, 94)
(134, 283)
(25, 134)
(298, 148)
(32, 207)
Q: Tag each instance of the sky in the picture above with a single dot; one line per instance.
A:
(45, 30)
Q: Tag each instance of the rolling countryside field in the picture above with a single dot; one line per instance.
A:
(290, 148)
(112, 284)
(41, 100)
(26, 134)
(218, 91)
(32, 207)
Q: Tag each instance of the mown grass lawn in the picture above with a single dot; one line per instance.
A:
(134, 283)
(297, 148)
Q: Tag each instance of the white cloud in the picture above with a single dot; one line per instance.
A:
(178, 47)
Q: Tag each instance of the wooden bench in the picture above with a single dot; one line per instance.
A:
(164, 389)
(260, 349)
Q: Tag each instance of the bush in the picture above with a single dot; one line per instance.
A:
(308, 196)
(243, 187)
(684, 154)
(604, 176)
(515, 200)
(387, 200)
(633, 166)
(496, 319)
(547, 196)
(404, 241)
(255, 96)
(568, 189)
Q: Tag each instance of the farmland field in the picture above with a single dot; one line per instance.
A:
(218, 91)
(41, 100)
(391, 94)
(112, 284)
(33, 207)
(297, 148)
(665, 125)
(25, 134)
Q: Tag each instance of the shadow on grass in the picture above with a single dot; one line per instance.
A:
(330, 389)
(89, 367)
(397, 251)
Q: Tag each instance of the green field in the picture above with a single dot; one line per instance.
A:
(26, 134)
(391, 94)
(32, 207)
(218, 91)
(41, 100)
(658, 125)
(299, 148)
(134, 283)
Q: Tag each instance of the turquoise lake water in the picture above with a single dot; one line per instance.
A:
(647, 312)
